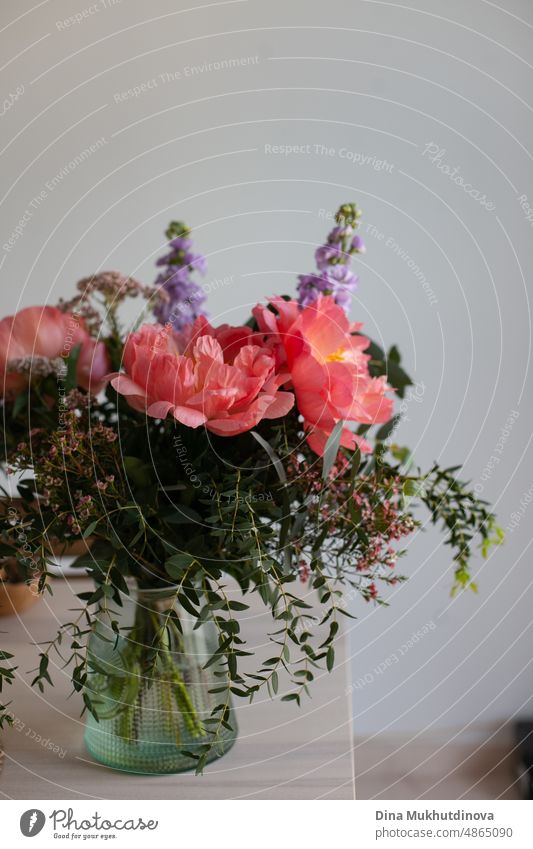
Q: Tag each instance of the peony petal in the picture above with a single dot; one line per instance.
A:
(317, 440)
(311, 390)
(254, 360)
(230, 426)
(232, 339)
(159, 409)
(362, 444)
(265, 318)
(124, 385)
(134, 395)
(189, 417)
(283, 402)
(289, 312)
(46, 332)
(187, 337)
(242, 421)
(209, 348)
(93, 365)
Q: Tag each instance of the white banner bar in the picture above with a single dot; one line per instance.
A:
(275, 824)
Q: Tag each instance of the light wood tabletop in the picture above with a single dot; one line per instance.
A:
(283, 752)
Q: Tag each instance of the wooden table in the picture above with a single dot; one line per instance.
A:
(283, 752)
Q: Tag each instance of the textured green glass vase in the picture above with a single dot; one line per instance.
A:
(150, 688)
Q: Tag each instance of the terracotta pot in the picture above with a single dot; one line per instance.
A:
(14, 598)
(70, 549)
(55, 546)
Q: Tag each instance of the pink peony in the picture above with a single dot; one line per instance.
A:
(48, 332)
(217, 378)
(328, 368)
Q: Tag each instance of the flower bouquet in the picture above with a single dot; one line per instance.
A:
(202, 464)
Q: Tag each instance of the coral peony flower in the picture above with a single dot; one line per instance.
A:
(46, 332)
(228, 388)
(328, 368)
(231, 338)
(93, 365)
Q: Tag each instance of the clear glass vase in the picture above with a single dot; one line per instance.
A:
(150, 688)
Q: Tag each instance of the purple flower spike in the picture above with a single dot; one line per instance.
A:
(358, 245)
(182, 297)
(326, 254)
(333, 262)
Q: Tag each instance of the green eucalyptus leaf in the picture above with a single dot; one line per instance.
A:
(178, 564)
(332, 449)
(181, 514)
(137, 470)
(385, 430)
(90, 529)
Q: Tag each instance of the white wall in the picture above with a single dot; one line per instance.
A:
(380, 79)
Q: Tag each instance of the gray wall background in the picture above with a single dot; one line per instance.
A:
(365, 86)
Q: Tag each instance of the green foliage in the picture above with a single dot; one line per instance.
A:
(7, 676)
(462, 515)
(388, 365)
